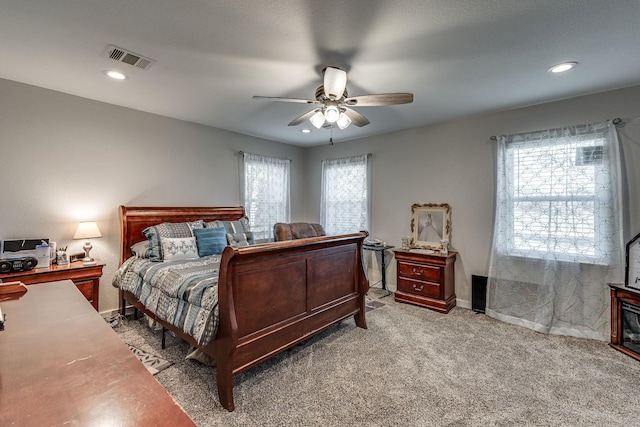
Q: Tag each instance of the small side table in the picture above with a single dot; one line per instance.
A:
(426, 279)
(383, 265)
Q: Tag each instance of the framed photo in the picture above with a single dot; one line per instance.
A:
(430, 223)
(632, 263)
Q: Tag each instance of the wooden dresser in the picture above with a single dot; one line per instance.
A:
(85, 277)
(426, 279)
(61, 364)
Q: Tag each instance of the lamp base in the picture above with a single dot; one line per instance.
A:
(87, 247)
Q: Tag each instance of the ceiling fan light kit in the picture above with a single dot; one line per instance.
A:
(343, 121)
(331, 113)
(335, 102)
(317, 119)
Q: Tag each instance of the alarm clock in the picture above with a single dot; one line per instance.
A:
(17, 264)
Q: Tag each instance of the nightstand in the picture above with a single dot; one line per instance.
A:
(85, 277)
(426, 279)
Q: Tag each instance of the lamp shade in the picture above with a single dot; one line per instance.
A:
(87, 230)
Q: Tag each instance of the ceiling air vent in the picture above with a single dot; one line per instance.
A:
(123, 55)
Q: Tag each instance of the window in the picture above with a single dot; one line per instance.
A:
(557, 190)
(558, 230)
(265, 193)
(345, 195)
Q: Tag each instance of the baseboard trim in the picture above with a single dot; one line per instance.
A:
(110, 314)
(463, 303)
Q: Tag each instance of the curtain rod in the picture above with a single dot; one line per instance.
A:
(616, 122)
(243, 152)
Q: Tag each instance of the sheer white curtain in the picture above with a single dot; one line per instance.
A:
(558, 230)
(265, 193)
(345, 195)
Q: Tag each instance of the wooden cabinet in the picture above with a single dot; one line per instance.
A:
(85, 277)
(426, 279)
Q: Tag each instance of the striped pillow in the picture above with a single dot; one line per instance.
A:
(239, 226)
(241, 239)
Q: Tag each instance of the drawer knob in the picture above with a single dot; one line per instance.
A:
(417, 288)
(418, 271)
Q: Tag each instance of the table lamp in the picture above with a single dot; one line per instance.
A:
(87, 230)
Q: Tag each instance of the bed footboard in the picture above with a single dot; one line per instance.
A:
(270, 296)
(274, 296)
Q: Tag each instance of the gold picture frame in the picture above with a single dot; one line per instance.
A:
(430, 223)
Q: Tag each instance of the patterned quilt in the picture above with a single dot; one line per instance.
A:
(182, 293)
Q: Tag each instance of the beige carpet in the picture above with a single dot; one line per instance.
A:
(414, 367)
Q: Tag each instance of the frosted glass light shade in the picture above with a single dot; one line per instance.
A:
(317, 119)
(343, 121)
(331, 113)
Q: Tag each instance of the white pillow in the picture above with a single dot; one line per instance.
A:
(179, 248)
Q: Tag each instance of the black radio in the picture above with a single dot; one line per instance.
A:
(18, 264)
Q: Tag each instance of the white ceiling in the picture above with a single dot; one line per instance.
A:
(458, 57)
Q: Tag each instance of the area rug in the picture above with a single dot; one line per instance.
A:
(153, 363)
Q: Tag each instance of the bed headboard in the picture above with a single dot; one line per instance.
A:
(134, 219)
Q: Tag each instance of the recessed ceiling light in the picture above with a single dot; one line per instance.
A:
(305, 130)
(116, 75)
(561, 68)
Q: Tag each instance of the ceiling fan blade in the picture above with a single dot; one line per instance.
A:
(277, 98)
(380, 99)
(335, 81)
(356, 118)
(302, 118)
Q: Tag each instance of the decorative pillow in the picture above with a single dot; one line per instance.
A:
(210, 241)
(241, 239)
(239, 226)
(179, 248)
(168, 229)
(141, 249)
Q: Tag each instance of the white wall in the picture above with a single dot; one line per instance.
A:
(454, 163)
(64, 159)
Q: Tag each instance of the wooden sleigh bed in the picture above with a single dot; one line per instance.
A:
(270, 296)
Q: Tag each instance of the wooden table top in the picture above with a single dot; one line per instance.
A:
(62, 364)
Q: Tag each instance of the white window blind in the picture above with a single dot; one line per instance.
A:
(559, 195)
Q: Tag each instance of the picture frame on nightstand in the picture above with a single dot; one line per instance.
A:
(632, 263)
(430, 224)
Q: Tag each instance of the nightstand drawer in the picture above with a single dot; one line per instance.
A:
(419, 287)
(418, 271)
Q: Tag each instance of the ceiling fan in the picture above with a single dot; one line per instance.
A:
(334, 104)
